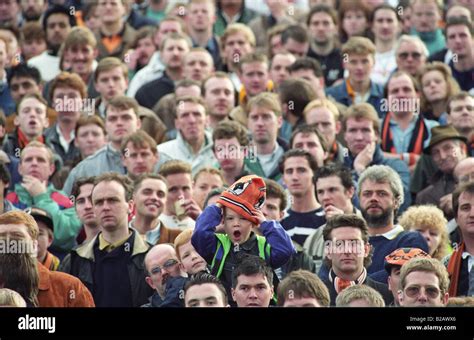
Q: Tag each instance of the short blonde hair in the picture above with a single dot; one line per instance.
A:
(325, 103)
(10, 298)
(267, 100)
(429, 265)
(359, 292)
(359, 46)
(428, 217)
(183, 238)
(80, 36)
(239, 28)
(362, 111)
(37, 144)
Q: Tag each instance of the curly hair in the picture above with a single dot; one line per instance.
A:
(424, 217)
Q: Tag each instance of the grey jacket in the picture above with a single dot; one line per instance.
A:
(104, 160)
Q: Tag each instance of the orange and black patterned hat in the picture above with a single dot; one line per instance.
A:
(245, 196)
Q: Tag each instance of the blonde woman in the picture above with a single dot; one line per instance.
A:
(431, 223)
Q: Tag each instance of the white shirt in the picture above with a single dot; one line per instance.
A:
(150, 72)
(64, 143)
(47, 64)
(174, 223)
(470, 261)
(385, 64)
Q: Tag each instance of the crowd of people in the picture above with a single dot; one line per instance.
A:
(233, 153)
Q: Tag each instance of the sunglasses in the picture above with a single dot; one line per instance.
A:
(167, 265)
(415, 291)
(405, 55)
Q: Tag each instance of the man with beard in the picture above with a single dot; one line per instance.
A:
(18, 272)
(80, 49)
(149, 197)
(322, 25)
(380, 192)
(218, 93)
(172, 51)
(32, 10)
(57, 23)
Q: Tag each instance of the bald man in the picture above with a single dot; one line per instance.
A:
(165, 275)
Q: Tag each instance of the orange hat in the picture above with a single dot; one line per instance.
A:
(245, 196)
(401, 256)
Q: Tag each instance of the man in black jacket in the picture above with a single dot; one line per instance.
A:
(347, 248)
(111, 264)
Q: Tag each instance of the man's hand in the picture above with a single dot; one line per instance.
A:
(332, 211)
(33, 185)
(364, 158)
(191, 208)
(446, 204)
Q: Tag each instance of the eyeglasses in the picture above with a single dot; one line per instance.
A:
(167, 265)
(405, 55)
(415, 291)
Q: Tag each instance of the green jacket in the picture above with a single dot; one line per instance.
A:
(66, 223)
(223, 249)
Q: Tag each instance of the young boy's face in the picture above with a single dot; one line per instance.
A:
(191, 261)
(236, 226)
(45, 238)
(359, 66)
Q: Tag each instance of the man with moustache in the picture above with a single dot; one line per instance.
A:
(380, 192)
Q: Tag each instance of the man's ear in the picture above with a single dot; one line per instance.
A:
(400, 297)
(279, 121)
(232, 292)
(351, 192)
(445, 298)
(52, 168)
(131, 205)
(150, 282)
(338, 127)
(389, 282)
(16, 120)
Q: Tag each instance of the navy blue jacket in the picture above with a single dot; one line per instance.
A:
(174, 294)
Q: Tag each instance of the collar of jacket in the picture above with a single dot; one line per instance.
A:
(207, 142)
(87, 250)
(428, 36)
(44, 281)
(373, 90)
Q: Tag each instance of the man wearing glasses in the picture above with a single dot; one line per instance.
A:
(423, 283)
(165, 275)
(411, 54)
(111, 264)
